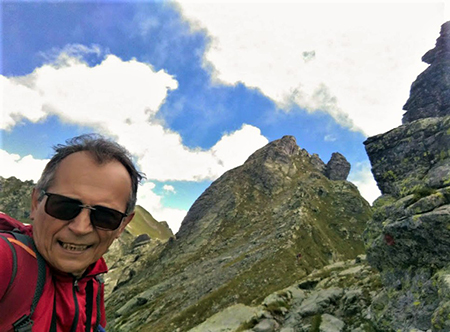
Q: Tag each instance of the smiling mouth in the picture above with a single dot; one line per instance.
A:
(73, 247)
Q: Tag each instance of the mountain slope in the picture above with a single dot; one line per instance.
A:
(256, 229)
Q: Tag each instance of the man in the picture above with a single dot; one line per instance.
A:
(82, 202)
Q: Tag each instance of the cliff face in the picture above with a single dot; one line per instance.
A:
(256, 229)
(408, 239)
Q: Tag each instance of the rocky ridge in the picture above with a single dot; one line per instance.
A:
(256, 229)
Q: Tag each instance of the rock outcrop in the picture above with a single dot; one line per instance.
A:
(408, 238)
(430, 93)
(142, 235)
(256, 229)
(338, 167)
(335, 298)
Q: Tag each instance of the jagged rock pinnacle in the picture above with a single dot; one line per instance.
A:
(338, 167)
(430, 93)
(442, 50)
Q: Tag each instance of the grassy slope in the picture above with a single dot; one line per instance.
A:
(144, 223)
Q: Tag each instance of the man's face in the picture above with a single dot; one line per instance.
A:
(72, 245)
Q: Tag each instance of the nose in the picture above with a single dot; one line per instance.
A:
(81, 224)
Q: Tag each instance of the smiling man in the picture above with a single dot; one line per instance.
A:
(82, 202)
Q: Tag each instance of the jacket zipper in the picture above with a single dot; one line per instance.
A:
(75, 300)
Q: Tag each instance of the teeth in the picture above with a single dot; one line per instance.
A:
(73, 247)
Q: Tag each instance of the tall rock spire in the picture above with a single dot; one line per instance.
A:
(407, 239)
(430, 93)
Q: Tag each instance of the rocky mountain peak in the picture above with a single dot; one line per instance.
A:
(258, 227)
(430, 93)
(277, 151)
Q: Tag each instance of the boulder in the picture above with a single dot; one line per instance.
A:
(337, 168)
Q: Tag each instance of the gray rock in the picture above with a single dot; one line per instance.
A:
(331, 324)
(266, 325)
(287, 329)
(227, 320)
(319, 300)
(338, 167)
(141, 240)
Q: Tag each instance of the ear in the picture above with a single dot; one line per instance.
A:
(124, 224)
(34, 203)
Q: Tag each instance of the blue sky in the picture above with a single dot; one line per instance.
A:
(193, 88)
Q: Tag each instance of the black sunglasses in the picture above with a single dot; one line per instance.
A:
(66, 208)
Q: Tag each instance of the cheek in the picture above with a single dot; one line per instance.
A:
(106, 239)
(43, 232)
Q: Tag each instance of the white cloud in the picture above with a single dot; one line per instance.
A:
(148, 199)
(233, 149)
(362, 57)
(110, 94)
(120, 99)
(169, 188)
(362, 177)
(24, 168)
(19, 102)
(78, 51)
(330, 138)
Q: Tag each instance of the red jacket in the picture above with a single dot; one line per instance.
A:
(69, 294)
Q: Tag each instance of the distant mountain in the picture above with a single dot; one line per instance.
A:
(144, 223)
(256, 229)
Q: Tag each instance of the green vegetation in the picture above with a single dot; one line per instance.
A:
(389, 176)
(315, 323)
(422, 191)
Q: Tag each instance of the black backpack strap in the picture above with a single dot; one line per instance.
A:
(14, 267)
(53, 324)
(100, 281)
(89, 304)
(25, 323)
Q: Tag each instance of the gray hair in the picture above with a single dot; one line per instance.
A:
(102, 150)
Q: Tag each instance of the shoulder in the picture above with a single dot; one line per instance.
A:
(6, 263)
(18, 278)
(17, 259)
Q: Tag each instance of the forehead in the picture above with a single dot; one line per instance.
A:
(79, 173)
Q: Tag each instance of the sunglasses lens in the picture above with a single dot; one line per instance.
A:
(61, 207)
(65, 208)
(106, 218)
